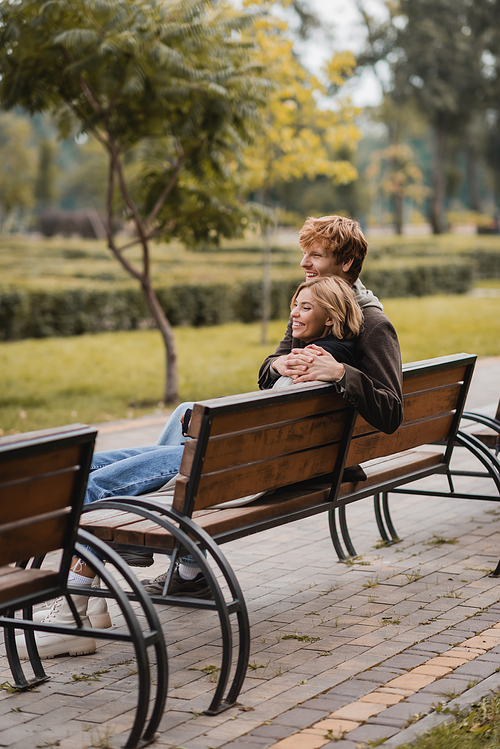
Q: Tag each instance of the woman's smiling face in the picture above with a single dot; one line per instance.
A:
(309, 319)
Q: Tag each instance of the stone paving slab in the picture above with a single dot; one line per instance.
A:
(389, 637)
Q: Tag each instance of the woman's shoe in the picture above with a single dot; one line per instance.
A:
(51, 644)
(97, 610)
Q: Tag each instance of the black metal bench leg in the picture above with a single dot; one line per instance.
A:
(380, 521)
(496, 571)
(388, 520)
(386, 528)
(332, 522)
(345, 532)
(20, 680)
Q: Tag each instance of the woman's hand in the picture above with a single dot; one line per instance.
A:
(312, 363)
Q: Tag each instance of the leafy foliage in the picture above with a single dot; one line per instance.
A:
(168, 89)
(443, 56)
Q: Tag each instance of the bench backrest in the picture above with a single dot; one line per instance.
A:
(263, 441)
(43, 476)
(434, 394)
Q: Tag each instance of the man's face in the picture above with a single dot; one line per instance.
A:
(319, 262)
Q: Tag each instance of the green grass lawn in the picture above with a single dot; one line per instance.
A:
(94, 378)
(477, 729)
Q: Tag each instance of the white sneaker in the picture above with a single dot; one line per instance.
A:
(97, 610)
(50, 644)
(97, 613)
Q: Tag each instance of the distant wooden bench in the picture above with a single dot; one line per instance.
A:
(487, 429)
(294, 444)
(43, 476)
(483, 442)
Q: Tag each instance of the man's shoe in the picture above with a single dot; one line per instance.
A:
(197, 588)
(136, 557)
(50, 644)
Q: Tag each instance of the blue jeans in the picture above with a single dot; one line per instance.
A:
(133, 471)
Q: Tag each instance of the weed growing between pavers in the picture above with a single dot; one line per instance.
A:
(255, 666)
(301, 638)
(11, 689)
(478, 729)
(210, 671)
(438, 541)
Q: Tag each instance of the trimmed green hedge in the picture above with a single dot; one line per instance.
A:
(418, 278)
(37, 313)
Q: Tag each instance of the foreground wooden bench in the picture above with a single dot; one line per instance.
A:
(295, 444)
(43, 476)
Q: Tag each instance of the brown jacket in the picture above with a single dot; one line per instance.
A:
(375, 389)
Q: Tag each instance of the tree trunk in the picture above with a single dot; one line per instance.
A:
(266, 284)
(397, 205)
(171, 382)
(472, 176)
(436, 211)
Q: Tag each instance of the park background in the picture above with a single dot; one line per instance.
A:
(385, 112)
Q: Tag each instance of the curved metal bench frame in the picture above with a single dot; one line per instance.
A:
(140, 733)
(193, 539)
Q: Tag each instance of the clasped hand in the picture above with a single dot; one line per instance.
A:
(309, 363)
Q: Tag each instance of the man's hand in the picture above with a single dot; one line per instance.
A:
(313, 363)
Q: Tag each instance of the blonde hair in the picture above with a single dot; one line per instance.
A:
(337, 299)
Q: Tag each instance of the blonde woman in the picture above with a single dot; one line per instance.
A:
(325, 315)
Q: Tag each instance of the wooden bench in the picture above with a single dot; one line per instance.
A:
(483, 443)
(488, 429)
(43, 476)
(294, 444)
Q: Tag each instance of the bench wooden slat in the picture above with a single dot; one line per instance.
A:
(435, 379)
(33, 537)
(42, 463)
(266, 475)
(261, 443)
(104, 522)
(24, 582)
(419, 406)
(390, 467)
(407, 436)
(431, 404)
(265, 413)
(40, 494)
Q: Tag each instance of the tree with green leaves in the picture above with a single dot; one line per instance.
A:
(436, 52)
(169, 90)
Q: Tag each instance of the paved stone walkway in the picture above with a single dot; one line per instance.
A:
(341, 654)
